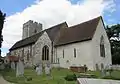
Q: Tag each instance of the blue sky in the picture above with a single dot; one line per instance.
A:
(13, 7)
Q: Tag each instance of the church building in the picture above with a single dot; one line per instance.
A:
(82, 44)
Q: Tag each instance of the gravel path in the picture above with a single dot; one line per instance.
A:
(2, 81)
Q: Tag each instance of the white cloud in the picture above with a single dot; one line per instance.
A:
(3, 54)
(51, 12)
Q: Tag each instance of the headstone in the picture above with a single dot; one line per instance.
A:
(58, 64)
(47, 69)
(39, 69)
(20, 68)
(13, 65)
(102, 72)
(107, 73)
(107, 70)
(2, 66)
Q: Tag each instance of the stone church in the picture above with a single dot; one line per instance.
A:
(82, 44)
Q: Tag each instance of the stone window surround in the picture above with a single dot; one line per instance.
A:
(102, 47)
(45, 53)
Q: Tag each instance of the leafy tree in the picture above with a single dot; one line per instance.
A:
(113, 33)
(2, 18)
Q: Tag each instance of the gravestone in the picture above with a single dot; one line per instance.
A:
(39, 69)
(107, 71)
(2, 66)
(102, 72)
(48, 69)
(13, 65)
(20, 68)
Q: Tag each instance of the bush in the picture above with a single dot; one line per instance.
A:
(7, 67)
(71, 77)
(29, 78)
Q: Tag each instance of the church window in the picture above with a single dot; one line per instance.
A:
(31, 51)
(22, 52)
(35, 31)
(102, 66)
(63, 53)
(45, 53)
(97, 67)
(15, 53)
(102, 48)
(28, 55)
(74, 52)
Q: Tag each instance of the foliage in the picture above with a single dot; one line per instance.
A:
(113, 33)
(110, 71)
(72, 77)
(2, 18)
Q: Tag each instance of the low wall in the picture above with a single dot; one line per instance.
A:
(56, 65)
(116, 67)
(78, 69)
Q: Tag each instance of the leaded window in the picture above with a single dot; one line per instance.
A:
(102, 47)
(45, 53)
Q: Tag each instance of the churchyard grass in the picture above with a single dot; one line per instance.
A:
(114, 75)
(57, 76)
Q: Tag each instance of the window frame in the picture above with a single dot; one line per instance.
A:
(63, 53)
(102, 47)
(75, 53)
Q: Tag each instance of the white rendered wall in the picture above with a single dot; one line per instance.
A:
(96, 47)
(83, 55)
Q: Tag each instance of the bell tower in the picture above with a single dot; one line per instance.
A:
(30, 28)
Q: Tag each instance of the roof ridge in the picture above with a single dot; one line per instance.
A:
(85, 22)
(56, 25)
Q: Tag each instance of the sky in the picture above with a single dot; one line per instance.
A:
(52, 12)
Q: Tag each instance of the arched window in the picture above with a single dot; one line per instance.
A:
(45, 53)
(97, 67)
(63, 53)
(74, 52)
(35, 31)
(102, 48)
(102, 66)
(28, 57)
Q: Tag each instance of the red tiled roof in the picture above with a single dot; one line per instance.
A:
(13, 58)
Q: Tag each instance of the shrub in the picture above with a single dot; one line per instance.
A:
(29, 78)
(71, 77)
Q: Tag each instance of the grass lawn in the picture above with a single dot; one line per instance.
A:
(57, 76)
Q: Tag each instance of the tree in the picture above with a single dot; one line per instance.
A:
(113, 33)
(2, 18)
